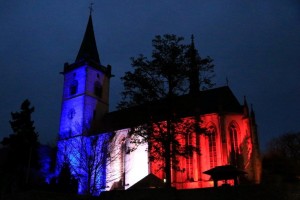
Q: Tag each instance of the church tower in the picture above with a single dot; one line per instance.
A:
(86, 90)
(85, 101)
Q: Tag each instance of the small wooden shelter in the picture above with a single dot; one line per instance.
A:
(225, 172)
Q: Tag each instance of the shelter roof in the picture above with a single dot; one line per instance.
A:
(224, 172)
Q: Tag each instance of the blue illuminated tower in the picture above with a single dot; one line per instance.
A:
(85, 101)
(86, 90)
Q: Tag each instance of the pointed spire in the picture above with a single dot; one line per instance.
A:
(88, 48)
(227, 81)
(245, 102)
(246, 108)
(192, 42)
(194, 71)
(253, 114)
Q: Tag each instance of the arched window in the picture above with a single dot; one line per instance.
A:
(234, 145)
(74, 87)
(211, 133)
(122, 159)
(189, 160)
(233, 134)
(98, 89)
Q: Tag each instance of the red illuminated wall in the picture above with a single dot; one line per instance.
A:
(229, 140)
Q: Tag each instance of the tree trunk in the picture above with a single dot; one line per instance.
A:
(168, 155)
(168, 139)
(28, 166)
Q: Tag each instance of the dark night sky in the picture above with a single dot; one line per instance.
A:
(256, 44)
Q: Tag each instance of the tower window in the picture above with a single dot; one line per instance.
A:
(74, 87)
(190, 163)
(98, 89)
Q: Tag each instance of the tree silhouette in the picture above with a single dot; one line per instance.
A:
(175, 69)
(88, 157)
(66, 182)
(283, 157)
(22, 147)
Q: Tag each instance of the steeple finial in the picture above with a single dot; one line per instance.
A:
(192, 40)
(91, 8)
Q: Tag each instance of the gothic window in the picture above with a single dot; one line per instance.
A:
(234, 148)
(211, 133)
(122, 159)
(233, 134)
(189, 160)
(74, 87)
(98, 89)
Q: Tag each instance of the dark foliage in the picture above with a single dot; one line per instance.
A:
(22, 150)
(66, 182)
(283, 157)
(175, 69)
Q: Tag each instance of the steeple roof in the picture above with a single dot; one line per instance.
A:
(88, 48)
(194, 68)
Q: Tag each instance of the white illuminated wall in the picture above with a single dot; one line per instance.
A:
(133, 164)
(137, 166)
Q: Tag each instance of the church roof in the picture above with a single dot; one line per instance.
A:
(218, 100)
(88, 48)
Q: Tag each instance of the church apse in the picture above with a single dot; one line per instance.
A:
(189, 170)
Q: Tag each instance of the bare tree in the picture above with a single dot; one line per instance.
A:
(184, 132)
(88, 157)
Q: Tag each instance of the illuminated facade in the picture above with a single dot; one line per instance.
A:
(84, 101)
(97, 144)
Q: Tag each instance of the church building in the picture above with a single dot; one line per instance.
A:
(97, 144)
